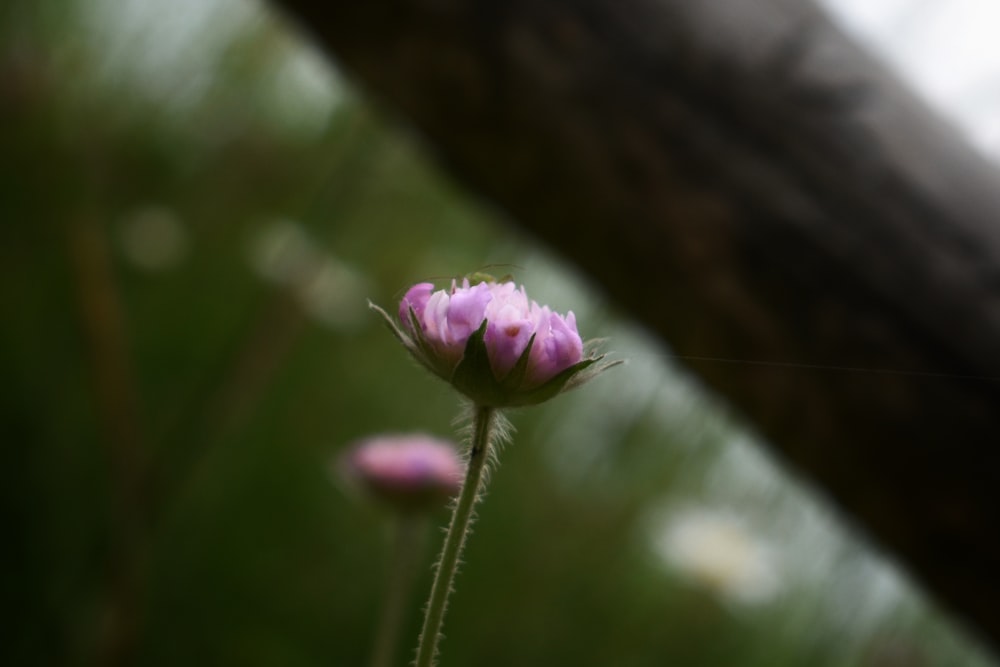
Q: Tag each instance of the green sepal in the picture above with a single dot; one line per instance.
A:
(473, 376)
(428, 355)
(555, 385)
(515, 378)
(414, 343)
(391, 323)
(590, 372)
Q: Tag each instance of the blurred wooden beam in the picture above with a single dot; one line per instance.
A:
(751, 186)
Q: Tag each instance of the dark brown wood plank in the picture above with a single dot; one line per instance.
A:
(750, 185)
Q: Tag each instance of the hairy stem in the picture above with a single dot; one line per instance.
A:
(482, 427)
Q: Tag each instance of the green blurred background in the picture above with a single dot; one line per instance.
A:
(195, 209)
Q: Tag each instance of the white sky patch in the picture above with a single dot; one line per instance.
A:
(948, 51)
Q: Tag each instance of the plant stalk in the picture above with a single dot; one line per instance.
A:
(407, 549)
(461, 519)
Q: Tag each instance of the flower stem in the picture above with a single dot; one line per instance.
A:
(482, 427)
(407, 543)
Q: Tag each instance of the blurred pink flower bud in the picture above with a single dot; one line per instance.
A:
(411, 472)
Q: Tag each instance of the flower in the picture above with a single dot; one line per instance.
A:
(492, 343)
(408, 471)
(719, 552)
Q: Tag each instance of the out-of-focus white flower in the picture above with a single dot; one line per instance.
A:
(328, 288)
(716, 550)
(153, 238)
(284, 253)
(334, 294)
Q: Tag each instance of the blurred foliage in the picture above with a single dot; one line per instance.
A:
(195, 210)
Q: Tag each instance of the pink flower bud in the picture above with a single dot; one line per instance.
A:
(449, 317)
(493, 343)
(410, 472)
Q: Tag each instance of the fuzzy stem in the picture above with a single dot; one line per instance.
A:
(407, 543)
(482, 426)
